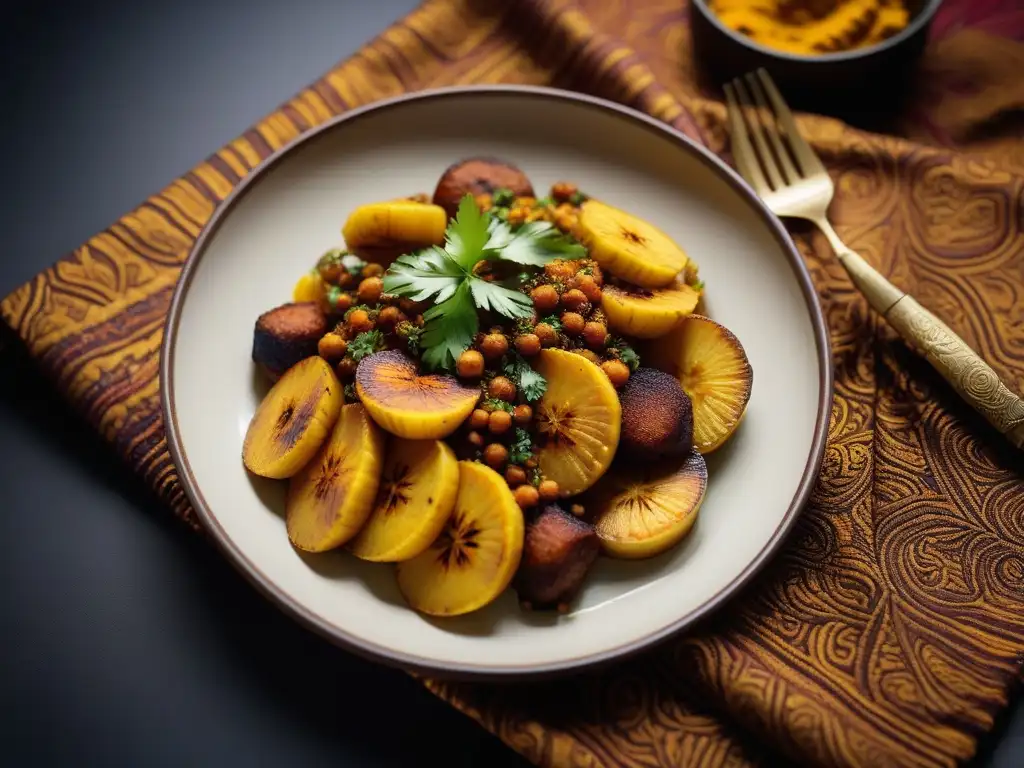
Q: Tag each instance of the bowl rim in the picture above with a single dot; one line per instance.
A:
(485, 672)
(922, 19)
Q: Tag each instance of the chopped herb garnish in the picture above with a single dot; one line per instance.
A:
(698, 286)
(521, 449)
(529, 383)
(447, 276)
(503, 197)
(497, 405)
(554, 322)
(350, 393)
(333, 294)
(352, 263)
(411, 333)
(364, 344)
(543, 202)
(578, 198)
(627, 354)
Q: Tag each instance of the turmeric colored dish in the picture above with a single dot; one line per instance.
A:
(813, 27)
(526, 385)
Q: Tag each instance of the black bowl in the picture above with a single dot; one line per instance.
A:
(864, 86)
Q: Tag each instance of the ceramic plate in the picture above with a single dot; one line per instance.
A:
(290, 210)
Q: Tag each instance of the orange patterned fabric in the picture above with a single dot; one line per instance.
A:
(890, 630)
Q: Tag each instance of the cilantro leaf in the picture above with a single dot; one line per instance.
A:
(449, 329)
(425, 274)
(554, 321)
(467, 235)
(534, 244)
(521, 449)
(352, 263)
(499, 299)
(498, 405)
(627, 354)
(366, 343)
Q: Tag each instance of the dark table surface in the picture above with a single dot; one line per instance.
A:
(125, 639)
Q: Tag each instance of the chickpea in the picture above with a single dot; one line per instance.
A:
(597, 274)
(545, 298)
(548, 490)
(547, 335)
(408, 306)
(370, 290)
(577, 509)
(475, 439)
(518, 215)
(589, 288)
(331, 346)
(595, 334)
(343, 303)
(574, 300)
(501, 388)
(470, 364)
(484, 201)
(565, 221)
(359, 321)
(617, 372)
(526, 496)
(494, 345)
(373, 270)
(495, 455)
(589, 354)
(389, 317)
(479, 418)
(347, 368)
(572, 323)
(563, 190)
(515, 476)
(522, 414)
(559, 269)
(528, 344)
(530, 463)
(499, 422)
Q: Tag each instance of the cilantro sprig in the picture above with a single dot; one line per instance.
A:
(447, 276)
(529, 382)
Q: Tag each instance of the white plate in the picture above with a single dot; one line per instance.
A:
(290, 210)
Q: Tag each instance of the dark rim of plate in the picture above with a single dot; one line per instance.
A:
(919, 20)
(495, 672)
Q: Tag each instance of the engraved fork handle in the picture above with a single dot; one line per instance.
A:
(950, 355)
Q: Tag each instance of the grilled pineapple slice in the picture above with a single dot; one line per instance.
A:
(477, 553)
(629, 247)
(330, 499)
(293, 419)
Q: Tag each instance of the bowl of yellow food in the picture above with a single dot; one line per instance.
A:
(846, 57)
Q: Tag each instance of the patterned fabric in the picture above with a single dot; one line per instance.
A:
(891, 629)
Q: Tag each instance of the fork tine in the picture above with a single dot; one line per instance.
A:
(743, 153)
(757, 128)
(771, 128)
(805, 157)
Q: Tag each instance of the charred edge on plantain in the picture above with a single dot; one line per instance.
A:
(330, 473)
(459, 536)
(394, 491)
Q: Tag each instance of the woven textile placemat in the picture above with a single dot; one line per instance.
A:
(890, 630)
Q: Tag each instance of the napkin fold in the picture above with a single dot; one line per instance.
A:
(890, 629)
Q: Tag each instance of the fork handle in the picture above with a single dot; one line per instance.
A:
(950, 355)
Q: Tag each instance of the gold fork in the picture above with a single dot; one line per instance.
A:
(795, 184)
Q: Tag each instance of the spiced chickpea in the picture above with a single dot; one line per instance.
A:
(479, 418)
(528, 344)
(373, 270)
(590, 354)
(522, 414)
(347, 368)
(343, 303)
(574, 300)
(359, 321)
(558, 270)
(475, 439)
(332, 347)
(548, 336)
(589, 288)
(495, 455)
(617, 372)
(389, 317)
(515, 476)
(548, 490)
(526, 496)
(572, 323)
(596, 335)
(493, 346)
(545, 298)
(563, 190)
(499, 422)
(501, 388)
(370, 289)
(470, 364)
